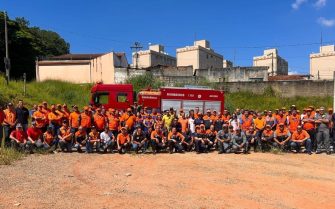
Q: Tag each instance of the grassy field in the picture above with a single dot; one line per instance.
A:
(54, 92)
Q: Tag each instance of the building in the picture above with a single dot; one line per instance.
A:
(81, 68)
(277, 65)
(322, 65)
(199, 56)
(227, 63)
(154, 56)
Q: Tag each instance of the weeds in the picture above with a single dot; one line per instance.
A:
(9, 155)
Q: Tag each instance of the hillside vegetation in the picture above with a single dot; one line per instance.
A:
(62, 92)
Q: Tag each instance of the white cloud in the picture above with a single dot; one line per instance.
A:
(320, 3)
(293, 73)
(326, 22)
(296, 5)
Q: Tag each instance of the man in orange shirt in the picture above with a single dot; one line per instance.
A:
(80, 139)
(40, 117)
(128, 119)
(65, 137)
(281, 118)
(85, 119)
(55, 119)
(9, 122)
(2, 118)
(74, 119)
(158, 140)
(225, 116)
(266, 139)
(99, 120)
(293, 121)
(183, 121)
(309, 125)
(49, 140)
(113, 122)
(207, 119)
(246, 120)
(259, 123)
(281, 137)
(175, 140)
(93, 139)
(301, 138)
(123, 141)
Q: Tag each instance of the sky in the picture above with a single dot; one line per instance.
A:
(237, 29)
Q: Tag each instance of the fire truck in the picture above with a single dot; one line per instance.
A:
(122, 96)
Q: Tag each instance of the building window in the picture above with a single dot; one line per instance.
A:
(101, 98)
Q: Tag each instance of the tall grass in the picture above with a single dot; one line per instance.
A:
(54, 92)
(9, 155)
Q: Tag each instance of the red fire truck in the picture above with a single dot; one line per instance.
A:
(122, 96)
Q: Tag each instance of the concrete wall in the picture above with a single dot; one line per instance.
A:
(153, 57)
(234, 74)
(284, 88)
(322, 65)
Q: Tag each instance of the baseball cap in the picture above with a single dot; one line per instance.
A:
(86, 108)
(123, 128)
(10, 104)
(18, 125)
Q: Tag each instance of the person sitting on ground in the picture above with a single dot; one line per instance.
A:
(175, 140)
(35, 137)
(211, 136)
(19, 138)
(200, 139)
(239, 142)
(158, 140)
(107, 141)
(301, 138)
(93, 140)
(50, 142)
(139, 140)
(123, 141)
(252, 138)
(281, 138)
(65, 137)
(266, 139)
(188, 142)
(224, 140)
(80, 138)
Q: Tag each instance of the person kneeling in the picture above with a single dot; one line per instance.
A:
(175, 140)
(224, 140)
(139, 140)
(239, 142)
(158, 140)
(34, 138)
(80, 138)
(281, 138)
(65, 137)
(123, 141)
(301, 138)
(107, 141)
(19, 138)
(93, 140)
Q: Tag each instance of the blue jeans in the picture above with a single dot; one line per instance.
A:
(297, 145)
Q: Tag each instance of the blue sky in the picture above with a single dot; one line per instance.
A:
(238, 29)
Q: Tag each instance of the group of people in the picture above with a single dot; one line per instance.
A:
(137, 129)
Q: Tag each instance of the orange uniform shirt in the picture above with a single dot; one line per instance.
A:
(55, 118)
(129, 120)
(65, 132)
(10, 117)
(309, 125)
(48, 137)
(246, 122)
(176, 135)
(294, 122)
(300, 136)
(99, 121)
(74, 119)
(123, 138)
(260, 123)
(85, 120)
(40, 119)
(183, 123)
(113, 123)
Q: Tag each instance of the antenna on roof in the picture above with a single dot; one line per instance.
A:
(135, 48)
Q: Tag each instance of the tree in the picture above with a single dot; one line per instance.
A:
(26, 44)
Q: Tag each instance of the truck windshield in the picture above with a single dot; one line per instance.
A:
(101, 98)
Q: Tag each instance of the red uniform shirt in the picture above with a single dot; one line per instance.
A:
(19, 135)
(34, 133)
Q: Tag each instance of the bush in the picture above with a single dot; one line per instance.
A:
(9, 155)
(145, 81)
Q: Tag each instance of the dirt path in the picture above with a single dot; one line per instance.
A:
(169, 181)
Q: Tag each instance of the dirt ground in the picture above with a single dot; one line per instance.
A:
(169, 181)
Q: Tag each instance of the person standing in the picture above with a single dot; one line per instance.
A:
(9, 122)
(2, 118)
(22, 115)
(322, 131)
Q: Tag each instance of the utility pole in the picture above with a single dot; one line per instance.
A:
(6, 60)
(135, 48)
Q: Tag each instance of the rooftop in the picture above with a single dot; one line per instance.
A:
(76, 56)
